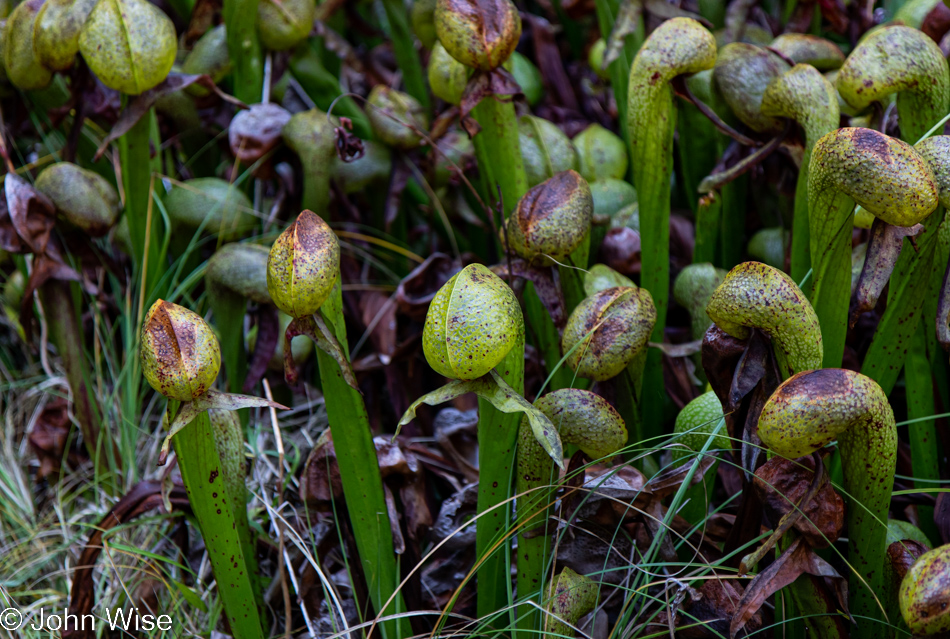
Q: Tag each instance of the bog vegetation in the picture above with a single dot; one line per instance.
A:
(394, 318)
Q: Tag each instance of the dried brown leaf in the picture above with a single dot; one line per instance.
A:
(782, 483)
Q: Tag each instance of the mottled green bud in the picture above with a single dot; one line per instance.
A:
(220, 207)
(527, 76)
(545, 149)
(180, 354)
(569, 597)
(802, 48)
(601, 154)
(742, 73)
(303, 266)
(129, 44)
(755, 295)
(600, 277)
(472, 323)
(447, 76)
(23, 68)
(56, 32)
(595, 59)
(552, 218)
(422, 17)
(239, 268)
(925, 593)
(209, 56)
(610, 197)
(480, 34)
(397, 118)
(768, 246)
(693, 288)
(283, 23)
(609, 328)
(84, 198)
(695, 423)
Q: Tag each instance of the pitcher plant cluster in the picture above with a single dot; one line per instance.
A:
(610, 319)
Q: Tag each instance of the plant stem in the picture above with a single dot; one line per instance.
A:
(361, 479)
(244, 49)
(546, 338)
(923, 435)
(498, 151)
(497, 434)
(204, 472)
(678, 46)
(62, 318)
(731, 245)
(405, 49)
(620, 68)
(146, 239)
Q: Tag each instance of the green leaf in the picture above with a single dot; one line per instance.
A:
(202, 473)
(190, 596)
(493, 389)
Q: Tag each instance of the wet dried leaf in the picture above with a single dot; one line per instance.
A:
(550, 64)
(378, 312)
(942, 517)
(140, 104)
(268, 337)
(835, 12)
(615, 488)
(596, 551)
(798, 559)
(455, 521)
(498, 84)
(546, 283)
(902, 555)
(349, 147)
(706, 614)
(455, 432)
(417, 289)
(620, 250)
(45, 268)
(31, 214)
(256, 131)
(48, 438)
(721, 353)
(749, 371)
(666, 483)
(884, 247)
(143, 498)
(781, 484)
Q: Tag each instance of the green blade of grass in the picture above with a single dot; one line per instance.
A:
(145, 234)
(498, 151)
(244, 49)
(405, 49)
